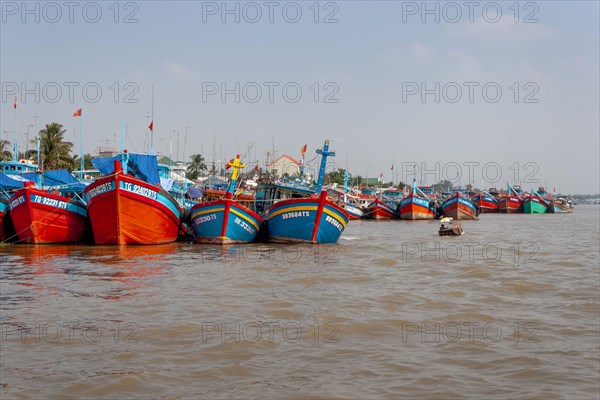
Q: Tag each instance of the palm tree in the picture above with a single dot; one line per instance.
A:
(195, 166)
(54, 151)
(5, 154)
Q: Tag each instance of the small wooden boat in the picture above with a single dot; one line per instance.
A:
(450, 229)
(225, 221)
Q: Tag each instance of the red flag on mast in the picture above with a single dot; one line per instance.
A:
(15, 103)
(77, 113)
(151, 126)
(303, 150)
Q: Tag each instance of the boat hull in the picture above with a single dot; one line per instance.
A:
(305, 220)
(459, 207)
(559, 208)
(126, 210)
(510, 205)
(533, 205)
(4, 234)
(378, 210)
(486, 204)
(224, 222)
(40, 217)
(415, 208)
(354, 213)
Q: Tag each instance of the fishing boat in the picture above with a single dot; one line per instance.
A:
(355, 206)
(225, 221)
(50, 212)
(128, 205)
(352, 204)
(416, 205)
(308, 215)
(4, 220)
(487, 201)
(459, 206)
(512, 201)
(379, 209)
(7, 187)
(534, 203)
(561, 205)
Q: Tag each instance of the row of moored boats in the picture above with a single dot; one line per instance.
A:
(424, 203)
(136, 201)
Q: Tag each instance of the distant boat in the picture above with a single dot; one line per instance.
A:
(379, 209)
(128, 205)
(561, 205)
(417, 205)
(512, 201)
(312, 218)
(355, 206)
(53, 215)
(459, 206)
(534, 203)
(487, 201)
(225, 220)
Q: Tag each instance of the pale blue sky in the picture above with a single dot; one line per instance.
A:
(370, 55)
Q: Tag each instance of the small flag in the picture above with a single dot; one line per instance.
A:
(77, 113)
(303, 150)
(151, 126)
(392, 167)
(229, 163)
(256, 168)
(15, 103)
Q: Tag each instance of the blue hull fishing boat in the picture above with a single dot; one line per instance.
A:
(308, 220)
(225, 221)
(313, 218)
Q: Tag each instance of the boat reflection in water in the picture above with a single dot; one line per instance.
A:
(129, 270)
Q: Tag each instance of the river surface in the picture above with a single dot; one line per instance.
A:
(509, 310)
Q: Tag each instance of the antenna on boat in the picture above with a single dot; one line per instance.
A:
(15, 140)
(152, 125)
(122, 136)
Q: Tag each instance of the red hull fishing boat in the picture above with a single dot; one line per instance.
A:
(512, 202)
(487, 201)
(42, 217)
(126, 209)
(458, 206)
(417, 205)
(379, 210)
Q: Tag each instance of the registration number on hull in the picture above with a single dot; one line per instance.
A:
(141, 190)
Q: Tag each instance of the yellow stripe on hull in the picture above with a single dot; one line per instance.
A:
(292, 209)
